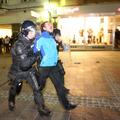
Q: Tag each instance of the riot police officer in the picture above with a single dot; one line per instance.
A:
(21, 68)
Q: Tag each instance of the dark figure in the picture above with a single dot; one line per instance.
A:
(48, 65)
(7, 40)
(57, 37)
(117, 38)
(0, 45)
(60, 67)
(21, 68)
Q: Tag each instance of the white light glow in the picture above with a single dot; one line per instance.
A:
(50, 7)
(4, 32)
(71, 27)
(92, 23)
(118, 9)
(78, 28)
(35, 14)
(44, 16)
(105, 29)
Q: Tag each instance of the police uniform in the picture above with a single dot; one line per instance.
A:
(21, 69)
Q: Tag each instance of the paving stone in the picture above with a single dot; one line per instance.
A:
(94, 86)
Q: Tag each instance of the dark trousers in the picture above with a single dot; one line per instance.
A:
(55, 76)
(7, 48)
(0, 49)
(61, 70)
(31, 79)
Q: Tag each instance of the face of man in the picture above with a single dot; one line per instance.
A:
(31, 34)
(48, 27)
(58, 38)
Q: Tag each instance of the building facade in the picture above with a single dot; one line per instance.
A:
(82, 22)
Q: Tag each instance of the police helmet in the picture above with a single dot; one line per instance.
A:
(27, 26)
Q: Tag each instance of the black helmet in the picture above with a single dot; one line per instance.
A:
(27, 26)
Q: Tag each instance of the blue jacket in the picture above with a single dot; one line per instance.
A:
(35, 42)
(48, 49)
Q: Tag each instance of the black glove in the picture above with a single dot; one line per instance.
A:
(30, 52)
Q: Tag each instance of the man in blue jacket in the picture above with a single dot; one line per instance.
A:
(46, 45)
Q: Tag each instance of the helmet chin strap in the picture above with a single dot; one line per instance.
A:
(26, 37)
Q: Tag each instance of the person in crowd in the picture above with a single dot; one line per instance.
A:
(46, 45)
(57, 36)
(117, 38)
(1, 45)
(7, 40)
(22, 68)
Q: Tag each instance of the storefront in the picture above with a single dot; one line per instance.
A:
(87, 30)
(92, 27)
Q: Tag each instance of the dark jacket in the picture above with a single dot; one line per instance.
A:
(56, 31)
(22, 56)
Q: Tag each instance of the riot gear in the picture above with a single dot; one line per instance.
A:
(28, 26)
(21, 69)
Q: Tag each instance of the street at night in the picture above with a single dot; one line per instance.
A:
(93, 78)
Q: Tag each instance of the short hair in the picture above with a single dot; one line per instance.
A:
(56, 32)
(43, 25)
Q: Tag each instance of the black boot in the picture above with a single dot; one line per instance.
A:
(44, 111)
(70, 106)
(67, 91)
(48, 110)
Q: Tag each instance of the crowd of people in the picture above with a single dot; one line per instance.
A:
(37, 47)
(6, 43)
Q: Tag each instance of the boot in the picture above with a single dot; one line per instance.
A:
(44, 111)
(70, 106)
(11, 106)
(67, 91)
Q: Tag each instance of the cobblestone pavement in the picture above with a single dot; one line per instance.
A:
(93, 79)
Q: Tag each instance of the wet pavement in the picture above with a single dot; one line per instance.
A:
(94, 82)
